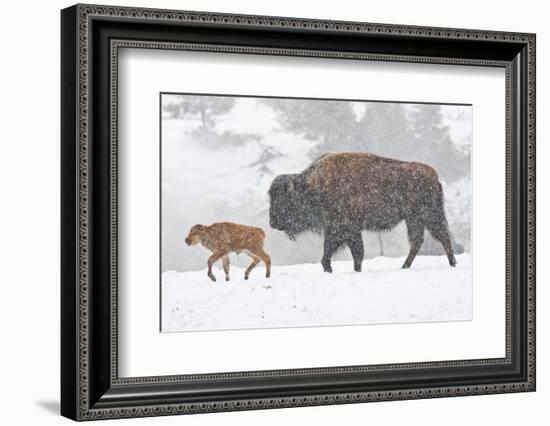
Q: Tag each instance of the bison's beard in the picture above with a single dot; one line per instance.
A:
(296, 226)
(291, 235)
(294, 213)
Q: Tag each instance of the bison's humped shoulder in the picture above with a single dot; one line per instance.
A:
(420, 170)
(348, 170)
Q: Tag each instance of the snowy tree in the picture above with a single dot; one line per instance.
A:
(172, 109)
(267, 155)
(385, 130)
(331, 122)
(204, 108)
(433, 144)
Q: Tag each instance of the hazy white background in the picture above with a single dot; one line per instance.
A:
(29, 171)
(218, 166)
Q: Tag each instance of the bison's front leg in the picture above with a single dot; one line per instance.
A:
(211, 260)
(333, 240)
(415, 231)
(355, 244)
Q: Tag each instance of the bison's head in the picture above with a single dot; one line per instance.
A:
(195, 235)
(292, 207)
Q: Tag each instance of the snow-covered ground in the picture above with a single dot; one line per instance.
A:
(304, 295)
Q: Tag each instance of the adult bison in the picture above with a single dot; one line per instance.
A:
(341, 194)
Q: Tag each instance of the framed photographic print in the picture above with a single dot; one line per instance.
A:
(263, 212)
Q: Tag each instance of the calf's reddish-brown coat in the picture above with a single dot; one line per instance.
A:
(225, 237)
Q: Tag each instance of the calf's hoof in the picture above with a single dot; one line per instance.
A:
(406, 266)
(357, 268)
(452, 262)
(246, 277)
(226, 278)
(212, 277)
(327, 268)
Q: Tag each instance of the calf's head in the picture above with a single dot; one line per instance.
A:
(291, 207)
(195, 235)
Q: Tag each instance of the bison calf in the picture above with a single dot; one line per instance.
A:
(226, 237)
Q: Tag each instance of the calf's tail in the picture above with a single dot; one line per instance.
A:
(262, 233)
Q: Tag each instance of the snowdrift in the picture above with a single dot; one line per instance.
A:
(305, 296)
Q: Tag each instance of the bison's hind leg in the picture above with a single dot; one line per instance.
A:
(255, 261)
(258, 255)
(226, 267)
(440, 232)
(334, 239)
(416, 237)
(267, 260)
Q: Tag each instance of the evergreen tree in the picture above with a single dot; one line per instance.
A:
(385, 130)
(204, 108)
(331, 122)
(433, 144)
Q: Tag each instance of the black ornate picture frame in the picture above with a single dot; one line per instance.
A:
(90, 385)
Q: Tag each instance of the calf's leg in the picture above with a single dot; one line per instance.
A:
(213, 258)
(226, 267)
(264, 257)
(255, 261)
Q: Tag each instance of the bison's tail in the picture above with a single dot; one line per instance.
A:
(436, 216)
(262, 233)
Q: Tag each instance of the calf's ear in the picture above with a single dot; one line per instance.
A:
(197, 228)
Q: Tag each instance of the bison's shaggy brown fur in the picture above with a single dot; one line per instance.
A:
(226, 237)
(341, 194)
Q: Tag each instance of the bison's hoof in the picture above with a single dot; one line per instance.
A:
(246, 277)
(357, 269)
(328, 269)
(452, 262)
(212, 277)
(267, 275)
(405, 266)
(226, 278)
